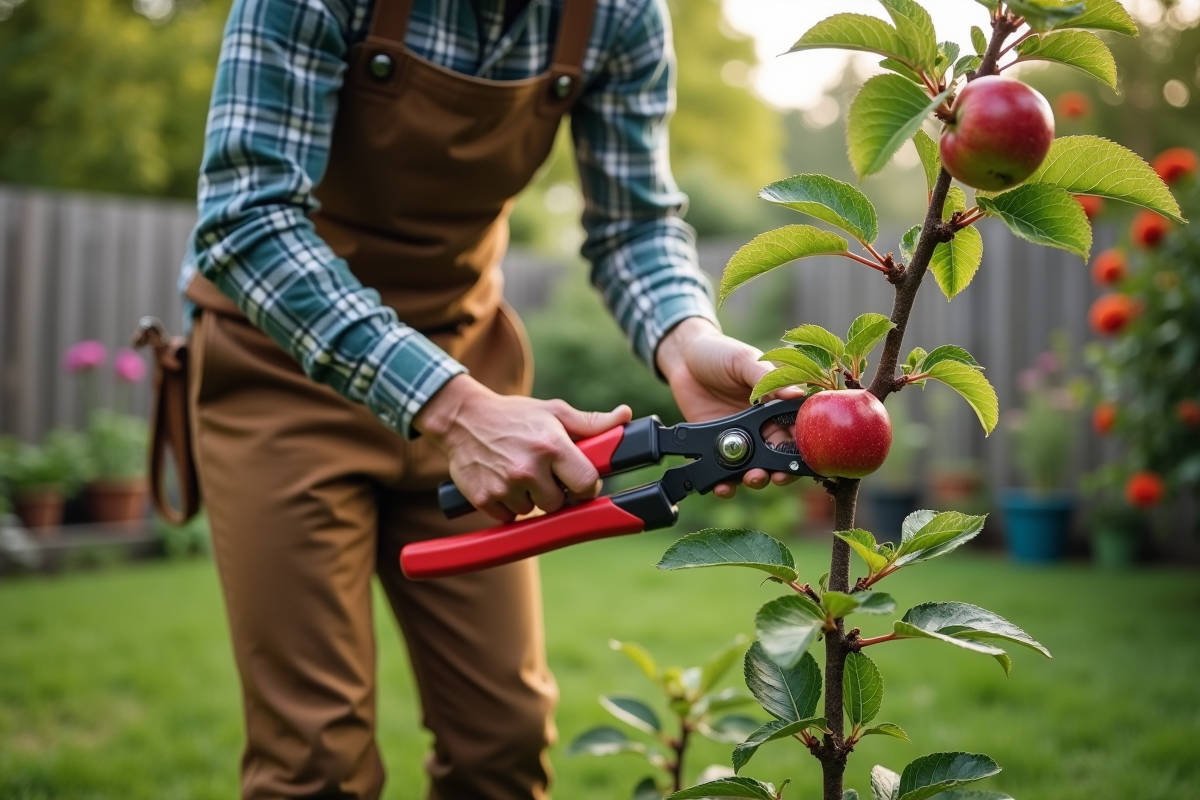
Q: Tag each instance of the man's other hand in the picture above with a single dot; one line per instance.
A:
(508, 454)
(712, 375)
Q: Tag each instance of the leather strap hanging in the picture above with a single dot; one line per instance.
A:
(169, 418)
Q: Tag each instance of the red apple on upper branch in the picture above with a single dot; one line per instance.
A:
(999, 134)
(844, 433)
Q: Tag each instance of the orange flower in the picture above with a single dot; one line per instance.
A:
(1174, 164)
(1073, 105)
(1149, 229)
(1189, 413)
(1144, 489)
(1103, 418)
(1109, 268)
(1111, 313)
(1092, 206)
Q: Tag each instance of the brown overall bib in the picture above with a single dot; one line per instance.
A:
(309, 495)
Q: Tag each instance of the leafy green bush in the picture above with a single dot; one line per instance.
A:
(59, 463)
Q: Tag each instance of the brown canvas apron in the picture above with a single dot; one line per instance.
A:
(308, 494)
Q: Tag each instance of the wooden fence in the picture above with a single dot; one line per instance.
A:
(76, 266)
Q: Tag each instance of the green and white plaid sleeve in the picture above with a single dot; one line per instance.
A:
(643, 254)
(269, 128)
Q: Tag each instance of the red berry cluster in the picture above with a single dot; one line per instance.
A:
(1144, 489)
(1112, 313)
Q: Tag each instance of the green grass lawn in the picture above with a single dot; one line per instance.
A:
(120, 684)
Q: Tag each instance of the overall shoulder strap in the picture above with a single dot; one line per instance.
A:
(389, 21)
(566, 67)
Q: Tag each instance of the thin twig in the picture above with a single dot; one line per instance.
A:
(866, 261)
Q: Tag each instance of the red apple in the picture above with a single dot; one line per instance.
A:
(843, 434)
(1000, 133)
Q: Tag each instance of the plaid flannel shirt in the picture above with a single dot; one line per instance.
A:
(267, 144)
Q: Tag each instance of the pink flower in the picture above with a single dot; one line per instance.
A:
(1047, 363)
(85, 356)
(1029, 380)
(129, 366)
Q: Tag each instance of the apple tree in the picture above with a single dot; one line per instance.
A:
(997, 140)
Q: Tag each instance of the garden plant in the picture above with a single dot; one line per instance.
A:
(997, 138)
(1148, 386)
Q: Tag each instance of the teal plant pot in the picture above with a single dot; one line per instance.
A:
(1036, 526)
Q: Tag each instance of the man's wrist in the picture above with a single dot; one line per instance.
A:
(441, 412)
(671, 354)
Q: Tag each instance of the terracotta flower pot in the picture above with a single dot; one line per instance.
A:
(117, 501)
(952, 487)
(40, 509)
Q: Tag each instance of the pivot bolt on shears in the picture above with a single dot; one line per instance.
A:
(723, 451)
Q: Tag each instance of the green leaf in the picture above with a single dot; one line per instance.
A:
(901, 68)
(787, 626)
(886, 729)
(863, 543)
(1079, 49)
(1042, 15)
(850, 794)
(841, 604)
(914, 360)
(603, 741)
(818, 354)
(947, 55)
(731, 729)
(638, 655)
(865, 333)
(786, 694)
(931, 163)
(632, 712)
(937, 772)
(1092, 165)
(954, 263)
(1104, 15)
(828, 200)
(887, 110)
(947, 352)
(942, 534)
(908, 244)
(979, 40)
(1043, 214)
(966, 64)
(862, 689)
(885, 784)
(906, 630)
(914, 522)
(773, 249)
(646, 789)
(972, 794)
(772, 731)
(728, 787)
(716, 547)
(800, 361)
(915, 28)
(816, 336)
(855, 32)
(965, 621)
(715, 668)
(781, 378)
(973, 387)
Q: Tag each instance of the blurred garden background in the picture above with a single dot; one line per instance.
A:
(116, 678)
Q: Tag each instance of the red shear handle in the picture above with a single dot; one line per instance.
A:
(599, 449)
(468, 552)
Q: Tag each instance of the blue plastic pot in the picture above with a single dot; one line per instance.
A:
(1036, 526)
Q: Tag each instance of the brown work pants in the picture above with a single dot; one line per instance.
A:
(308, 496)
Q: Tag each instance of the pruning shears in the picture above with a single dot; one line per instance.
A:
(722, 450)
